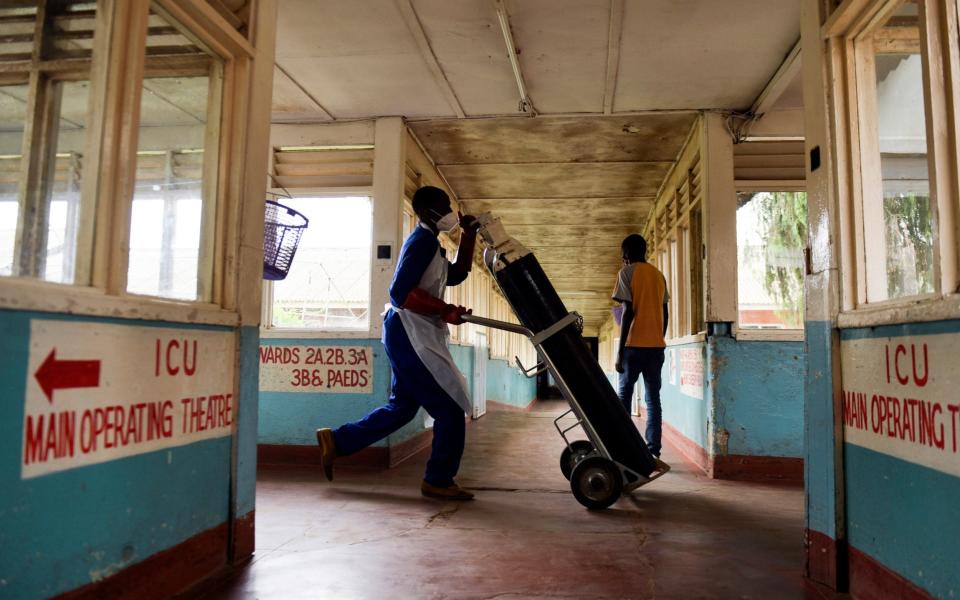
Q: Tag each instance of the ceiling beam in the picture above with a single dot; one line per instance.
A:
(788, 69)
(556, 162)
(526, 104)
(624, 113)
(326, 113)
(582, 197)
(429, 58)
(614, 35)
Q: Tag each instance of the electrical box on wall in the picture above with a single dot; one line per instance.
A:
(384, 253)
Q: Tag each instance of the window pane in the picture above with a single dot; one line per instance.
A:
(771, 235)
(173, 204)
(48, 240)
(64, 211)
(901, 131)
(328, 286)
(13, 113)
(40, 202)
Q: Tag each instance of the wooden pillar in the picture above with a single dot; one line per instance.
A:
(825, 526)
(39, 158)
(720, 220)
(389, 172)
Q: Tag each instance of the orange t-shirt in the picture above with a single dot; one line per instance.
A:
(645, 288)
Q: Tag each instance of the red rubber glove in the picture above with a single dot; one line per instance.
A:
(454, 314)
(469, 223)
(420, 301)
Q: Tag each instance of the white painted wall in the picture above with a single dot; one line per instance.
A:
(900, 109)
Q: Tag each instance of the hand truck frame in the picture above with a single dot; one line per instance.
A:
(594, 484)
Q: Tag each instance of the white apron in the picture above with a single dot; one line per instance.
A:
(429, 335)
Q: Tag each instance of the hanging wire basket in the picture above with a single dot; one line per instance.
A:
(282, 230)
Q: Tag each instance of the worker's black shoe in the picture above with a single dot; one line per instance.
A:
(328, 451)
(451, 492)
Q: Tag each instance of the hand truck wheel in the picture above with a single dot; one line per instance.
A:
(596, 482)
(572, 455)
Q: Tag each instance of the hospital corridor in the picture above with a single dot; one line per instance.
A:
(476, 299)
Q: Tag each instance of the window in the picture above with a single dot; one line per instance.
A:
(893, 72)
(79, 205)
(328, 286)
(13, 113)
(897, 207)
(42, 138)
(771, 236)
(408, 221)
(674, 237)
(174, 201)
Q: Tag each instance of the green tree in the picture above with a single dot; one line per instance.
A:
(909, 244)
(783, 219)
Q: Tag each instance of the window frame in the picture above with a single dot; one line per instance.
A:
(267, 329)
(671, 239)
(844, 33)
(757, 334)
(116, 71)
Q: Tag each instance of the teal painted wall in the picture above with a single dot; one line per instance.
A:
(757, 395)
(507, 385)
(820, 484)
(752, 400)
(463, 357)
(291, 418)
(686, 413)
(67, 529)
(903, 514)
(247, 421)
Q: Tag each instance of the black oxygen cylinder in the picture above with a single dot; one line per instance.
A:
(538, 306)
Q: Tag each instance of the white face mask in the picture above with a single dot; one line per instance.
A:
(447, 222)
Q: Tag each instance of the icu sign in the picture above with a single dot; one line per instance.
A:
(900, 398)
(316, 369)
(99, 392)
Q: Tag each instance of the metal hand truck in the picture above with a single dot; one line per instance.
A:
(597, 478)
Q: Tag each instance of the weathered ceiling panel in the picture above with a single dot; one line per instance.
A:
(570, 189)
(556, 180)
(357, 58)
(466, 40)
(702, 53)
(174, 101)
(559, 139)
(290, 103)
(565, 211)
(563, 52)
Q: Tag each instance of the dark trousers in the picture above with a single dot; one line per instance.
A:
(649, 363)
(413, 386)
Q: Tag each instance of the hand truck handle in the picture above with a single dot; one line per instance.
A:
(532, 371)
(494, 324)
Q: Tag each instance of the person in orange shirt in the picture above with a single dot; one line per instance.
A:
(642, 289)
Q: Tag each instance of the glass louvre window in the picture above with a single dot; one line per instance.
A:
(897, 203)
(771, 236)
(328, 286)
(174, 201)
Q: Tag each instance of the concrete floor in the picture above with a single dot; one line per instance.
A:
(371, 535)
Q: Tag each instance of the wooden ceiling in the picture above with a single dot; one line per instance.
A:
(569, 188)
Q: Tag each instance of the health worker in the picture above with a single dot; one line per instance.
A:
(415, 337)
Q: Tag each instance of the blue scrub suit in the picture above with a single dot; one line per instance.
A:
(412, 385)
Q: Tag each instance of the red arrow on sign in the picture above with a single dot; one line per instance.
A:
(56, 374)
